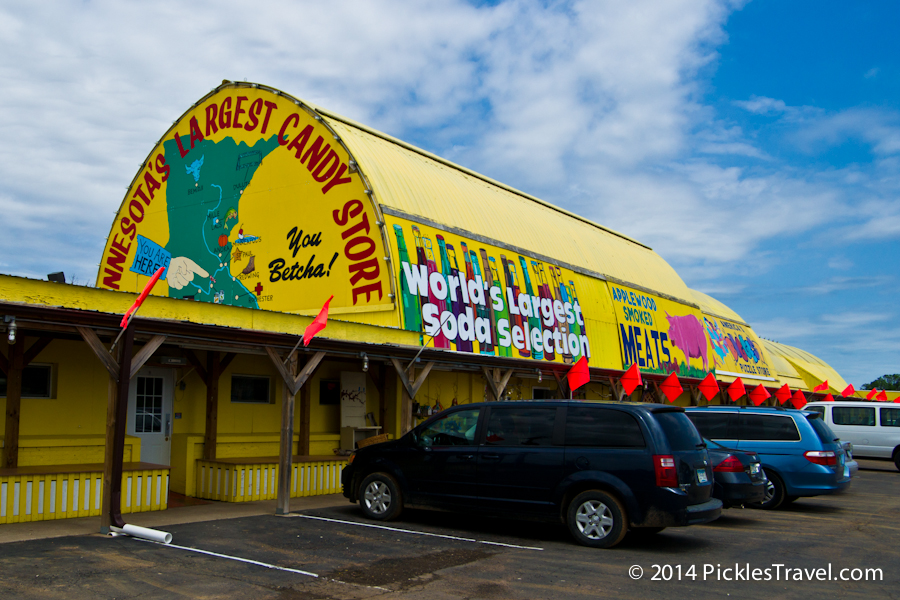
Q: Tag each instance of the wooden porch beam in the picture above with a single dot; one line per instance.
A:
(497, 382)
(285, 450)
(90, 337)
(36, 348)
(211, 432)
(4, 364)
(412, 388)
(195, 362)
(563, 385)
(144, 354)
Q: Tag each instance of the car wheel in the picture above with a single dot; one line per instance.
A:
(596, 519)
(775, 494)
(379, 497)
(897, 458)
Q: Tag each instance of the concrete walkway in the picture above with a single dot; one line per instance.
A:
(214, 511)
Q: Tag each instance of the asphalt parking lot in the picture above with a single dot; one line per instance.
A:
(333, 552)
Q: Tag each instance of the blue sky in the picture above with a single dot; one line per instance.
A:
(754, 145)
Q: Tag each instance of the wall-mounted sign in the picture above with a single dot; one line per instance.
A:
(250, 201)
(660, 335)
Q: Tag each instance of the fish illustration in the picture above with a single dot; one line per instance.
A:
(231, 214)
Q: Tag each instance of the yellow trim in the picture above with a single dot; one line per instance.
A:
(229, 482)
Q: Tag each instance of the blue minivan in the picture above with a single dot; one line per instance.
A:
(602, 469)
(800, 454)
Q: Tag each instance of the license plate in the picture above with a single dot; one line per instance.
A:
(701, 475)
(754, 468)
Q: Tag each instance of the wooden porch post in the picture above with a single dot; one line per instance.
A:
(292, 384)
(210, 436)
(303, 445)
(13, 405)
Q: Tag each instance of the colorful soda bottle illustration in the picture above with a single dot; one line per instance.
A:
(412, 310)
(566, 296)
(509, 269)
(574, 300)
(423, 250)
(544, 293)
(563, 324)
(502, 314)
(489, 278)
(450, 269)
(534, 322)
(481, 310)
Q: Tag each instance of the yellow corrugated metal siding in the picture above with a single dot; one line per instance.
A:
(809, 369)
(424, 186)
(711, 306)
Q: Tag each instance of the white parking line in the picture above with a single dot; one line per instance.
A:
(259, 563)
(439, 535)
(229, 557)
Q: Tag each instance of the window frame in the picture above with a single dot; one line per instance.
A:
(51, 384)
(271, 397)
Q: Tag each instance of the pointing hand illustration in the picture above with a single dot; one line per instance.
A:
(182, 270)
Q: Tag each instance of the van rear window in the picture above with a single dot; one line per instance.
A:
(822, 429)
(682, 434)
(602, 427)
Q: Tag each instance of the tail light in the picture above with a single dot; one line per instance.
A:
(821, 457)
(666, 475)
(730, 465)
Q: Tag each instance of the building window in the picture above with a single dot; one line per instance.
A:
(254, 389)
(148, 405)
(37, 381)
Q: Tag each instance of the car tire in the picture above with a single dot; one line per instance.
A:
(775, 494)
(897, 458)
(596, 519)
(379, 497)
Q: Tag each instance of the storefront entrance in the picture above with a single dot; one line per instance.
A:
(150, 413)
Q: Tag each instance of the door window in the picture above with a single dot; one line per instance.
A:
(456, 429)
(890, 417)
(520, 427)
(148, 405)
(602, 427)
(853, 415)
(770, 428)
(714, 426)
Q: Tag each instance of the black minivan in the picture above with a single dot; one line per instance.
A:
(601, 468)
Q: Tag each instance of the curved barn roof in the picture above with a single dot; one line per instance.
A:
(408, 181)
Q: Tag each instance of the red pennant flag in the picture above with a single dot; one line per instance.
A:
(822, 387)
(798, 400)
(709, 386)
(897, 399)
(828, 398)
(142, 297)
(318, 323)
(736, 389)
(783, 394)
(579, 374)
(872, 393)
(882, 396)
(671, 387)
(848, 391)
(631, 379)
(759, 395)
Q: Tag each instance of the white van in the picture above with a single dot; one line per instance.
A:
(872, 427)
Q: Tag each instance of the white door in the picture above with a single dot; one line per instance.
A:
(150, 413)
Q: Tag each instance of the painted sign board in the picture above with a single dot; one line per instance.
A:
(250, 200)
(660, 335)
(473, 296)
(736, 350)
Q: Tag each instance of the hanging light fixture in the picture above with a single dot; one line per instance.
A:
(12, 329)
(365, 358)
(540, 375)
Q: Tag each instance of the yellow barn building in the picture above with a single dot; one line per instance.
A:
(445, 287)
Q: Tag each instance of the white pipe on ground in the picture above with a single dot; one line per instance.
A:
(154, 535)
